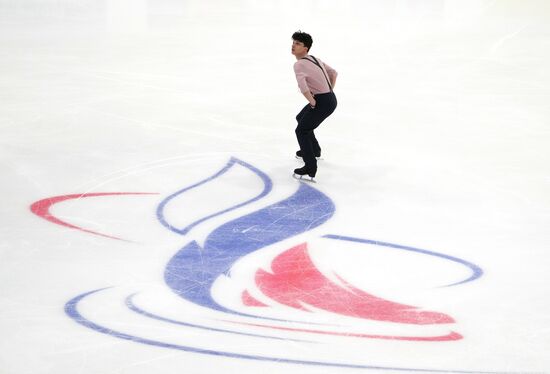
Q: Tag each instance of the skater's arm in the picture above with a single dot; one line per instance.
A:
(332, 74)
(301, 78)
(332, 81)
(309, 98)
(302, 84)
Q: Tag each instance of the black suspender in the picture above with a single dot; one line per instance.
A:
(320, 67)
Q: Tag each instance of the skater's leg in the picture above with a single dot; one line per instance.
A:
(306, 138)
(304, 110)
(308, 120)
(315, 144)
(313, 117)
(306, 147)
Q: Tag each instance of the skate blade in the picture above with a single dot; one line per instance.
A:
(301, 178)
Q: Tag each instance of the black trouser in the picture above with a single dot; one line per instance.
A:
(308, 120)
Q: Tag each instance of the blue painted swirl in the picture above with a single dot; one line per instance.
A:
(268, 185)
(133, 307)
(71, 309)
(193, 270)
(476, 271)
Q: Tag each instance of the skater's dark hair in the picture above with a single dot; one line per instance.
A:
(304, 38)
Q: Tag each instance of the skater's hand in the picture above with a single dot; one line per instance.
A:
(312, 103)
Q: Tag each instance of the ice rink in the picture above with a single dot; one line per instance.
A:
(150, 222)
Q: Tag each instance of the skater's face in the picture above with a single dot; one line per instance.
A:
(298, 48)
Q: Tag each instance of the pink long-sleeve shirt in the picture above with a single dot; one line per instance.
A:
(310, 77)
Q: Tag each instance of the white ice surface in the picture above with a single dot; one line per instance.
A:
(441, 141)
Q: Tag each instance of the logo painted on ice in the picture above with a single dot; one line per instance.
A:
(293, 283)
